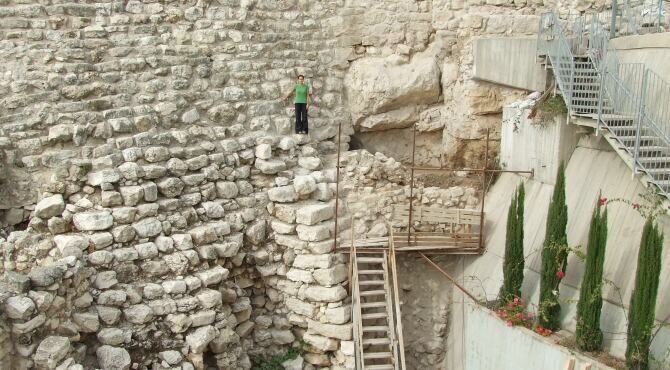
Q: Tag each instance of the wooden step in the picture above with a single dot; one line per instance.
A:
(379, 367)
(377, 328)
(370, 316)
(370, 272)
(373, 304)
(376, 356)
(370, 259)
(368, 293)
(376, 341)
(371, 282)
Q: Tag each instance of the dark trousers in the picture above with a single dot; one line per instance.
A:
(301, 118)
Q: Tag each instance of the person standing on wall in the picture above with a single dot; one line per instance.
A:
(303, 97)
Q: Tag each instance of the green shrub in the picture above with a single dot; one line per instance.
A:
(643, 300)
(554, 256)
(514, 259)
(588, 334)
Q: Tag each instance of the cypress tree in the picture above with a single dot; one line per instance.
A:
(589, 336)
(643, 300)
(514, 260)
(554, 256)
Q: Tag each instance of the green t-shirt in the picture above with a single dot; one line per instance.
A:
(301, 92)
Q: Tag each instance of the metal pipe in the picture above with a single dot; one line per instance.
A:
(337, 181)
(471, 170)
(481, 212)
(613, 20)
(461, 288)
(411, 187)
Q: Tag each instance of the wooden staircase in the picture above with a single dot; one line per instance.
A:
(376, 310)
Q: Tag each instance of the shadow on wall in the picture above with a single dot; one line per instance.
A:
(397, 144)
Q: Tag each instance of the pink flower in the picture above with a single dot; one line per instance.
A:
(602, 201)
(509, 323)
(560, 274)
(636, 206)
(516, 300)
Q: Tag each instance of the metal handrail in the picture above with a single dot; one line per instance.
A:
(627, 92)
(552, 41)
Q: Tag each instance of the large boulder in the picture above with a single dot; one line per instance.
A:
(379, 85)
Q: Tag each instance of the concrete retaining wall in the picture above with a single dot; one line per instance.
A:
(509, 61)
(492, 345)
(652, 49)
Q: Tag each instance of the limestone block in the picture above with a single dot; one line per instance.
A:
(174, 286)
(70, 242)
(300, 307)
(271, 166)
(300, 275)
(162, 307)
(176, 167)
(342, 332)
(213, 210)
(150, 190)
(212, 276)
(124, 215)
(109, 315)
(312, 214)
(113, 358)
(146, 250)
(178, 323)
(202, 318)
(51, 351)
(263, 151)
(395, 119)
(290, 241)
(308, 261)
(282, 337)
(325, 294)
(148, 227)
(331, 276)
(42, 299)
(314, 233)
(338, 315)
(209, 298)
(105, 279)
(227, 249)
(125, 254)
(286, 143)
(370, 91)
(255, 232)
(177, 262)
(320, 342)
(321, 247)
(285, 212)
(123, 234)
(170, 187)
(156, 154)
(112, 298)
(93, 220)
(103, 176)
(131, 171)
(152, 291)
(113, 336)
(164, 244)
(138, 314)
(282, 227)
(245, 328)
(87, 322)
(50, 206)
(283, 194)
(226, 189)
(304, 184)
(204, 234)
(45, 275)
(200, 338)
(20, 308)
(310, 163)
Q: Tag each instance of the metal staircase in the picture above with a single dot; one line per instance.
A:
(376, 311)
(627, 102)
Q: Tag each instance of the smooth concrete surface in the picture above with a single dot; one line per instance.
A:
(515, 348)
(652, 49)
(591, 171)
(509, 61)
(531, 146)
